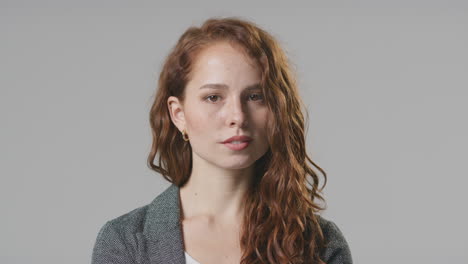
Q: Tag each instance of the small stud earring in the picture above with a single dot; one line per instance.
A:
(185, 135)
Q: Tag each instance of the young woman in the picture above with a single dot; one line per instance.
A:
(228, 126)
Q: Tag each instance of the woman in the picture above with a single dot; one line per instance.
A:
(238, 169)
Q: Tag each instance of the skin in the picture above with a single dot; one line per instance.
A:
(211, 201)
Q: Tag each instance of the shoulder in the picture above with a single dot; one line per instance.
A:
(135, 221)
(337, 250)
(120, 239)
(117, 239)
(130, 222)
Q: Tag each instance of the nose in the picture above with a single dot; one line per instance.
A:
(236, 115)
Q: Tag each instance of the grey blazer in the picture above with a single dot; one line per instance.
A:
(152, 234)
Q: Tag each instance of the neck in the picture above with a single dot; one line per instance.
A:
(215, 194)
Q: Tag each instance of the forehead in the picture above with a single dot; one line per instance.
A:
(223, 56)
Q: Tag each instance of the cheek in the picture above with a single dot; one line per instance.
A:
(263, 118)
(195, 122)
(199, 120)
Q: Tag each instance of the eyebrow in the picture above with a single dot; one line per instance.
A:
(224, 86)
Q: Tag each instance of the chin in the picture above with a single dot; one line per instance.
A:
(240, 164)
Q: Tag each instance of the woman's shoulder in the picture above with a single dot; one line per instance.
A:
(129, 222)
(120, 238)
(116, 241)
(337, 250)
(134, 220)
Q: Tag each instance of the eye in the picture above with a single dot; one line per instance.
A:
(211, 96)
(257, 95)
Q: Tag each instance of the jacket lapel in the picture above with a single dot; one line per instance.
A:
(163, 229)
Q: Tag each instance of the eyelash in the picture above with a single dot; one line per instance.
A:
(258, 94)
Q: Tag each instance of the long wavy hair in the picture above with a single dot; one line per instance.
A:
(280, 222)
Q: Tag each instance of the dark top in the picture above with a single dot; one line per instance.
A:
(152, 234)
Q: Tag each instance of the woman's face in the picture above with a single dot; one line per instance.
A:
(234, 106)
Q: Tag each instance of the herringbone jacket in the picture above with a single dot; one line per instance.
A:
(152, 234)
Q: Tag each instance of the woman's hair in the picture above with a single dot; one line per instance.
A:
(280, 223)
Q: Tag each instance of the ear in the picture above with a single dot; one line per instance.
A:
(176, 111)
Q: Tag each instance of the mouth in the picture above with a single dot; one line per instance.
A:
(236, 139)
(237, 145)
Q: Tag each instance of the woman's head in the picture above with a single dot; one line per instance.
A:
(257, 58)
(223, 98)
(279, 224)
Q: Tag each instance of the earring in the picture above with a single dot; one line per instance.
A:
(185, 135)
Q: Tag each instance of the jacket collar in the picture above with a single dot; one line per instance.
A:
(163, 228)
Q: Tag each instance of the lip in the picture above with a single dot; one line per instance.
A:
(242, 138)
(239, 146)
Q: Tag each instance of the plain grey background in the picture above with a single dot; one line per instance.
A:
(385, 83)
